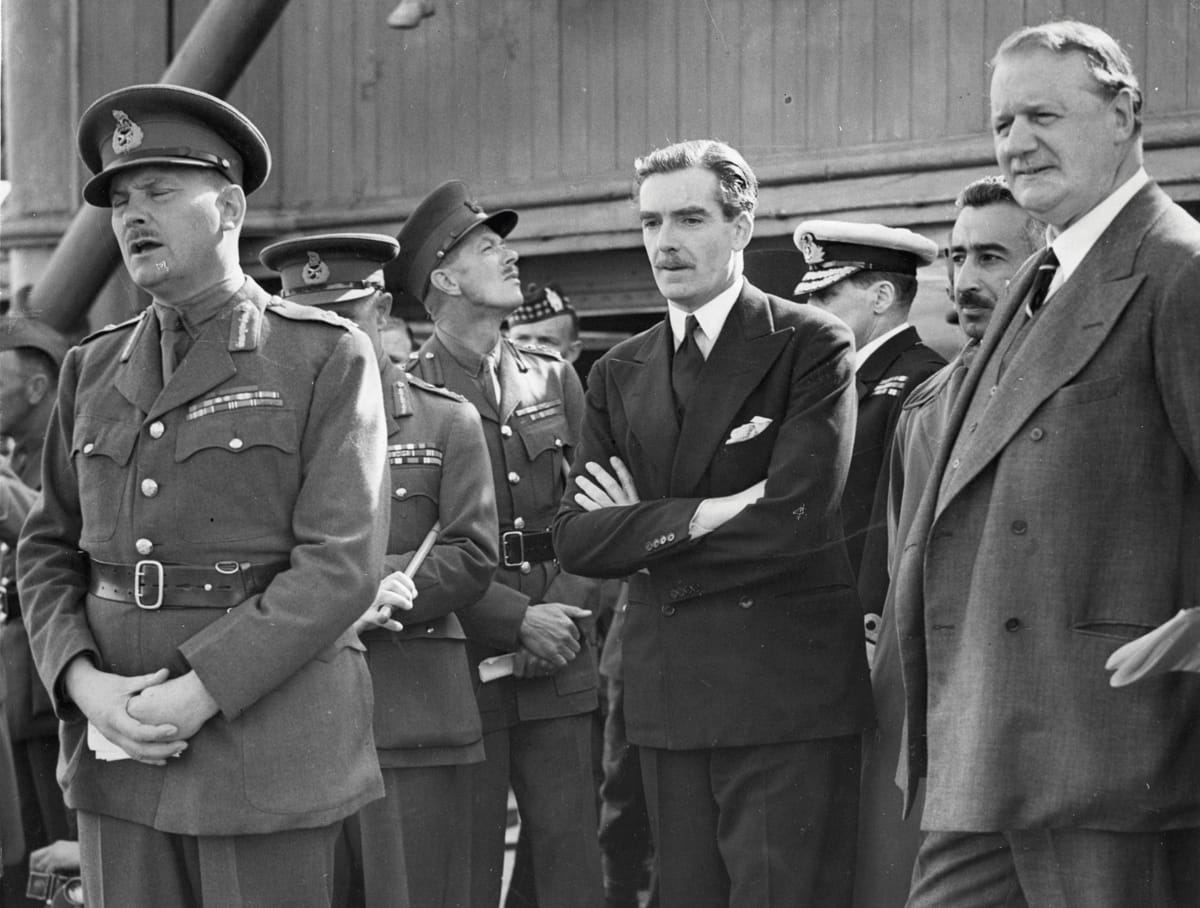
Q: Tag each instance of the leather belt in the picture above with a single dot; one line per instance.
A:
(150, 584)
(518, 547)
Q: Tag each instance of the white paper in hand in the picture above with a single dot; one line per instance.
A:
(103, 748)
(496, 667)
(1173, 647)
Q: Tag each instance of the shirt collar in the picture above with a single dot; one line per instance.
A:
(200, 310)
(871, 346)
(1074, 243)
(711, 316)
(472, 363)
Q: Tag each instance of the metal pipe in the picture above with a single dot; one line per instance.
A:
(217, 50)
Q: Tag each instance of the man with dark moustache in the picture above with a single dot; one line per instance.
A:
(715, 448)
(991, 238)
(534, 617)
(413, 847)
(1062, 519)
(31, 354)
(866, 275)
(209, 530)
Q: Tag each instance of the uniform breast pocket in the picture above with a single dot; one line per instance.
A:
(100, 450)
(545, 435)
(414, 503)
(239, 474)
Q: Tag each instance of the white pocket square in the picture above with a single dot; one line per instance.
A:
(748, 431)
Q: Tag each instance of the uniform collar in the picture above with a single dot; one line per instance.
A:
(871, 346)
(471, 362)
(200, 310)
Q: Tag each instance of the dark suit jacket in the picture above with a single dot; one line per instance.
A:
(884, 383)
(425, 711)
(192, 470)
(1062, 519)
(752, 634)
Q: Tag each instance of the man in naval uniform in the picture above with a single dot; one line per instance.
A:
(208, 532)
(866, 275)
(537, 722)
(414, 845)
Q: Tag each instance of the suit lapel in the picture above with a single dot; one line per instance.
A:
(744, 352)
(644, 383)
(1069, 331)
(139, 379)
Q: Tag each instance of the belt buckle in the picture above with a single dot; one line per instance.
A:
(139, 583)
(512, 537)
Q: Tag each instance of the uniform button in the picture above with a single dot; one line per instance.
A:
(1012, 624)
(745, 602)
(149, 488)
(401, 492)
(518, 523)
(236, 444)
(429, 630)
(514, 478)
(144, 546)
(670, 537)
(558, 442)
(1037, 434)
(992, 391)
(955, 463)
(506, 431)
(1019, 527)
(668, 610)
(157, 429)
(89, 448)
(649, 546)
(973, 427)
(526, 567)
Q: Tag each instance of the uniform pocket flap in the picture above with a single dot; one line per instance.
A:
(104, 438)
(237, 432)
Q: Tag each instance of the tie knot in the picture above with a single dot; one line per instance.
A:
(169, 319)
(690, 324)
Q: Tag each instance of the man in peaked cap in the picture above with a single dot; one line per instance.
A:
(866, 275)
(31, 354)
(208, 532)
(413, 846)
(537, 722)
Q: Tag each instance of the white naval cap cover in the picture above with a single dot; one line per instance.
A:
(834, 250)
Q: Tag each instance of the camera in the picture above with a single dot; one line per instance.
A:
(55, 889)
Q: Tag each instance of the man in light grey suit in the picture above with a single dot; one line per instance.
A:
(1061, 519)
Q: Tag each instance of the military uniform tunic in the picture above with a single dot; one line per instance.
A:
(266, 447)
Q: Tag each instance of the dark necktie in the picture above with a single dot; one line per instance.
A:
(490, 381)
(1041, 282)
(686, 366)
(173, 339)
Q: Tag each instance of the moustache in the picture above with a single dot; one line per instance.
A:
(973, 299)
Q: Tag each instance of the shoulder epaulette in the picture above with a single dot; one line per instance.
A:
(417, 382)
(540, 349)
(299, 313)
(119, 326)
(426, 367)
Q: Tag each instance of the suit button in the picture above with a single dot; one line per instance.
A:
(149, 488)
(89, 448)
(745, 602)
(144, 546)
(514, 477)
(235, 444)
(518, 523)
(1037, 434)
(1019, 527)
(506, 431)
(1012, 624)
(973, 427)
(668, 610)
(992, 391)
(670, 537)
(157, 429)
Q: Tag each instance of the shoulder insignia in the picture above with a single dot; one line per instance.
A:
(110, 328)
(401, 401)
(893, 386)
(426, 366)
(298, 313)
(245, 328)
(434, 389)
(539, 349)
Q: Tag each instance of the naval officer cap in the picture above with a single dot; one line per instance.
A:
(18, 332)
(330, 267)
(443, 220)
(834, 250)
(168, 125)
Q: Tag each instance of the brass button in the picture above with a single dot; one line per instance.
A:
(526, 567)
(149, 488)
(89, 448)
(670, 537)
(400, 493)
(518, 523)
(1012, 624)
(955, 463)
(157, 429)
(1037, 434)
(514, 478)
(558, 442)
(236, 444)
(144, 546)
(506, 431)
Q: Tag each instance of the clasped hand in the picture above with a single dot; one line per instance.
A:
(604, 489)
(396, 592)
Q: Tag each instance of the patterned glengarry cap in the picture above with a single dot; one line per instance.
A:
(17, 332)
(437, 225)
(834, 250)
(168, 125)
(330, 267)
(540, 303)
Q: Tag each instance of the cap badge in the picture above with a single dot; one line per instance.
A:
(812, 251)
(474, 206)
(555, 301)
(316, 271)
(128, 135)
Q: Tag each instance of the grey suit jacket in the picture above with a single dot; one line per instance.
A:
(1062, 518)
